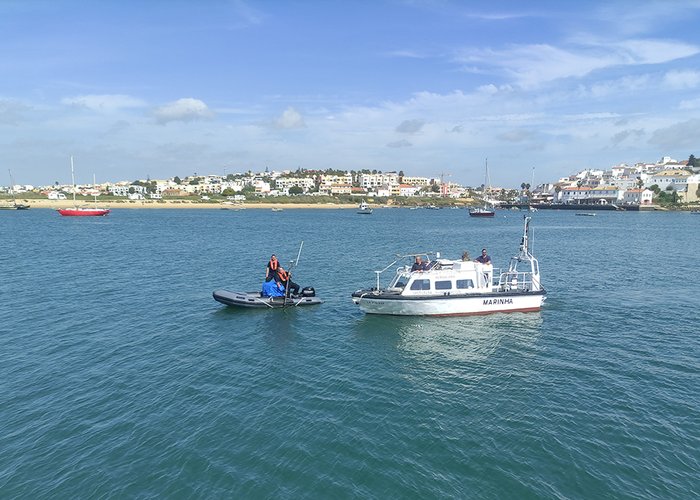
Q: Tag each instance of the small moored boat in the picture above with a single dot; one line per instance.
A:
(455, 287)
(77, 211)
(364, 208)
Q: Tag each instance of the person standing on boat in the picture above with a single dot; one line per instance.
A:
(419, 265)
(484, 257)
(282, 277)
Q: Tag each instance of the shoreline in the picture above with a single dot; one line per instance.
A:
(151, 204)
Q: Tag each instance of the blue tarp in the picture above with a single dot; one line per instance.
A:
(271, 289)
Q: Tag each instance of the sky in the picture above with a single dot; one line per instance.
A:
(153, 89)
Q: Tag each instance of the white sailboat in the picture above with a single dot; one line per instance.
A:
(484, 211)
(15, 205)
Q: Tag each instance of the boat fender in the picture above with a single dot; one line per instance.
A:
(308, 291)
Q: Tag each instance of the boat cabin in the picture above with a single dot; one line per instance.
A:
(444, 277)
(456, 277)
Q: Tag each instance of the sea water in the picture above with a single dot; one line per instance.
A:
(120, 376)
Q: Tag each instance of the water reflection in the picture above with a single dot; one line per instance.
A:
(465, 339)
(436, 354)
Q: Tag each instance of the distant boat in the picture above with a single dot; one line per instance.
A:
(484, 211)
(77, 211)
(586, 214)
(364, 208)
(15, 205)
(277, 209)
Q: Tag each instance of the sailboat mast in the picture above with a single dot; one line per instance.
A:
(94, 190)
(72, 176)
(12, 186)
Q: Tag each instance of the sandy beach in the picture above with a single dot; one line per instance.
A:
(174, 204)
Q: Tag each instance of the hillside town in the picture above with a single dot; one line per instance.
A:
(664, 181)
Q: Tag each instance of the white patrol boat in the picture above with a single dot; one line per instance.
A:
(456, 287)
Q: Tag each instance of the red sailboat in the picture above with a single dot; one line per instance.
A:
(77, 211)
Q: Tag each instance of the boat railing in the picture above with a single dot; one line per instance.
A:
(512, 280)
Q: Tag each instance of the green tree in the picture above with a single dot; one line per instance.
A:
(693, 162)
(228, 192)
(296, 190)
(177, 180)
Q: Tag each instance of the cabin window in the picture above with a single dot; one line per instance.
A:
(420, 285)
(463, 284)
(443, 285)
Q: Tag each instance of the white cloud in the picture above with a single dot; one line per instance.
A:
(535, 64)
(290, 119)
(104, 102)
(690, 104)
(184, 110)
(651, 51)
(11, 111)
(682, 79)
(403, 143)
(517, 135)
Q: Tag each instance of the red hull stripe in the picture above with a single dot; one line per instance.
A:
(483, 313)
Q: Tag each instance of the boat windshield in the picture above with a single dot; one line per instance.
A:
(400, 280)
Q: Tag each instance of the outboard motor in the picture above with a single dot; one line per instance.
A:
(308, 291)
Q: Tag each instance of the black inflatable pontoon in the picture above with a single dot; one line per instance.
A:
(253, 299)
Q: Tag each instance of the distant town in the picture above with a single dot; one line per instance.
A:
(665, 182)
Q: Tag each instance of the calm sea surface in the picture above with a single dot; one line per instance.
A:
(120, 376)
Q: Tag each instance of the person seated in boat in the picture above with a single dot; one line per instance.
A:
(465, 256)
(419, 265)
(484, 257)
(276, 271)
(272, 288)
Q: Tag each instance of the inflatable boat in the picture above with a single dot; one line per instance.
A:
(307, 297)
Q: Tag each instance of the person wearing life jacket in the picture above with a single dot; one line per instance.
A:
(276, 271)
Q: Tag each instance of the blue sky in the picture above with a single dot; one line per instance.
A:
(165, 87)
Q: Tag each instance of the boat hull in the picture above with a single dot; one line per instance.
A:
(14, 207)
(83, 212)
(464, 305)
(481, 214)
(253, 300)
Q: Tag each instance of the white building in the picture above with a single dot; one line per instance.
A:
(329, 180)
(284, 183)
(408, 190)
(415, 181)
(637, 196)
(369, 181)
(677, 179)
